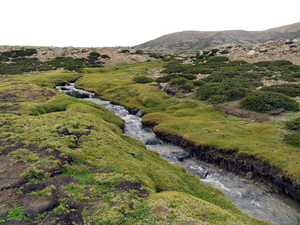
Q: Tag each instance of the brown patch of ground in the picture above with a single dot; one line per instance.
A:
(241, 113)
(24, 92)
(127, 186)
(10, 175)
(9, 108)
(76, 135)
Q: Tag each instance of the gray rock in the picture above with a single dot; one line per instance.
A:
(59, 52)
(293, 45)
(288, 42)
(251, 53)
(152, 141)
(276, 111)
(78, 94)
(249, 176)
(263, 49)
(181, 156)
(138, 58)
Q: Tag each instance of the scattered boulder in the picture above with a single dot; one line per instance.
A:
(288, 42)
(276, 111)
(251, 53)
(78, 94)
(249, 175)
(152, 141)
(181, 156)
(138, 58)
(263, 49)
(292, 45)
(59, 52)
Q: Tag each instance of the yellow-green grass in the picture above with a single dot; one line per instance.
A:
(102, 145)
(116, 84)
(205, 125)
(193, 121)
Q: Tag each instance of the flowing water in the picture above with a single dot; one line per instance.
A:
(252, 198)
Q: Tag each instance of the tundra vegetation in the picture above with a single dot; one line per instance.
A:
(69, 157)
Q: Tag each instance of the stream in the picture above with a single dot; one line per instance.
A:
(251, 197)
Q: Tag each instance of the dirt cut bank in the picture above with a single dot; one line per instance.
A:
(240, 163)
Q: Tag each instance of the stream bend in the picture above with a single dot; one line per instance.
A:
(252, 198)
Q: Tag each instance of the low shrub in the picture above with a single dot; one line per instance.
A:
(281, 63)
(218, 59)
(199, 83)
(263, 101)
(182, 84)
(188, 76)
(263, 63)
(105, 57)
(292, 90)
(293, 139)
(95, 54)
(169, 77)
(229, 93)
(125, 51)
(224, 52)
(139, 52)
(293, 124)
(166, 78)
(216, 99)
(142, 79)
(154, 55)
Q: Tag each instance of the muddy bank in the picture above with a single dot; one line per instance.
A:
(239, 163)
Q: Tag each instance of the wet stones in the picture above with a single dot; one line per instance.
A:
(77, 94)
(202, 173)
(249, 176)
(152, 141)
(181, 156)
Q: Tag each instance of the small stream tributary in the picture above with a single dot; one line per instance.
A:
(251, 197)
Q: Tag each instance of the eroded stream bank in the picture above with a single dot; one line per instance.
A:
(252, 198)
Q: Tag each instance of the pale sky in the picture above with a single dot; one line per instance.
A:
(92, 23)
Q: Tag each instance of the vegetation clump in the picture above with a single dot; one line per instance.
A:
(293, 124)
(220, 92)
(142, 79)
(292, 90)
(262, 101)
(18, 62)
(182, 84)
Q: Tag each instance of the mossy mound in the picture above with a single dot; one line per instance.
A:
(261, 101)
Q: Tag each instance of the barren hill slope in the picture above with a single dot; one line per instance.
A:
(192, 41)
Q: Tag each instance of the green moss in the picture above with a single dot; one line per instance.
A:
(15, 213)
(261, 101)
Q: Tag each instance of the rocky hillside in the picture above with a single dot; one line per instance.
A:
(192, 41)
(48, 53)
(268, 51)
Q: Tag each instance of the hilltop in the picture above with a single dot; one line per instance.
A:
(193, 41)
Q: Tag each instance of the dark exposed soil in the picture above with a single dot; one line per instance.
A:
(241, 113)
(29, 93)
(15, 191)
(127, 186)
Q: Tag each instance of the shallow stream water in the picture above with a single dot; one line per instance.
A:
(252, 198)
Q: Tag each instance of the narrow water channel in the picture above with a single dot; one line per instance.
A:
(252, 198)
